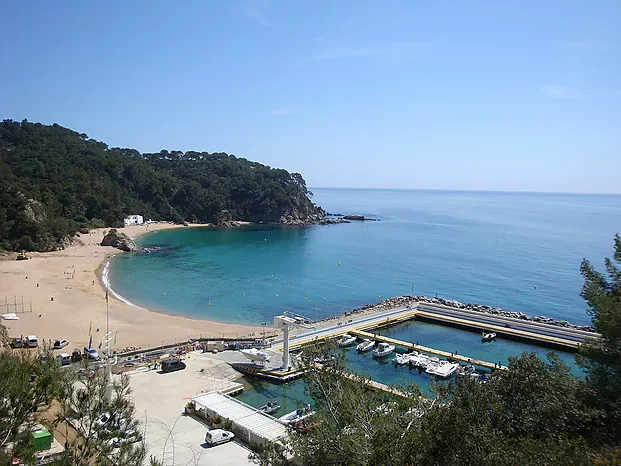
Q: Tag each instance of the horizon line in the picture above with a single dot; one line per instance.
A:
(470, 191)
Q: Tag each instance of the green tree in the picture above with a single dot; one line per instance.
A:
(107, 431)
(27, 383)
(601, 357)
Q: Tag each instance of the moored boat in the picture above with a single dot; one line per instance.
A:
(298, 416)
(406, 358)
(383, 349)
(442, 369)
(366, 345)
(346, 340)
(270, 408)
(489, 336)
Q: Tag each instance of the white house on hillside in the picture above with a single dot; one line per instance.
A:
(134, 220)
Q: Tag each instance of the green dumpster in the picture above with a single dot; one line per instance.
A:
(42, 440)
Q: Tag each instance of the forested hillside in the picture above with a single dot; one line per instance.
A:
(55, 180)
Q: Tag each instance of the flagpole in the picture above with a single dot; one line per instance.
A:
(108, 365)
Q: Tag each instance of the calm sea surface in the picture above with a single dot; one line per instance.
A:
(519, 251)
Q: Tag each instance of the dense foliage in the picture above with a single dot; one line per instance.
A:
(55, 180)
(535, 413)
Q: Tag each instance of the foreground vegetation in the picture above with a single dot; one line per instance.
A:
(55, 180)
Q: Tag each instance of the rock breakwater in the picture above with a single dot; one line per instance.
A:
(404, 301)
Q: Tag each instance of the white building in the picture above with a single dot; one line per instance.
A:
(134, 220)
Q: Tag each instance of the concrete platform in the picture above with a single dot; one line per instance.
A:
(160, 400)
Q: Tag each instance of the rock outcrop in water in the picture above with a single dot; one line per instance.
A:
(120, 241)
(360, 218)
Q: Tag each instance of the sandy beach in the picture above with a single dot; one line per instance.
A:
(67, 298)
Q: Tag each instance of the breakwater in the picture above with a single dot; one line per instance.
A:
(405, 301)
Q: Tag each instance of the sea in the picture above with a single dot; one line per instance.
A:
(517, 251)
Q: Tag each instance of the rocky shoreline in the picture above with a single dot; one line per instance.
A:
(402, 301)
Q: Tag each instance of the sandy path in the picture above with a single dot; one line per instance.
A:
(66, 297)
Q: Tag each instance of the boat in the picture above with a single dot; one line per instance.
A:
(401, 359)
(442, 369)
(298, 416)
(346, 340)
(255, 355)
(270, 408)
(488, 336)
(383, 349)
(467, 370)
(366, 345)
(406, 358)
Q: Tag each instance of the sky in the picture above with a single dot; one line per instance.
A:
(423, 94)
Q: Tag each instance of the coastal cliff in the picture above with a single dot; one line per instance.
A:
(56, 181)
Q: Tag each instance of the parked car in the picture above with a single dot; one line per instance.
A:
(172, 364)
(91, 353)
(218, 436)
(31, 341)
(58, 344)
(63, 359)
(76, 355)
(17, 342)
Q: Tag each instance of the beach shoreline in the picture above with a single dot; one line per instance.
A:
(62, 295)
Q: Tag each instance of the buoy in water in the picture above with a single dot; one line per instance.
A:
(339, 263)
(276, 294)
(535, 287)
(210, 304)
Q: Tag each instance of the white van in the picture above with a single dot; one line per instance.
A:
(217, 436)
(32, 341)
(64, 359)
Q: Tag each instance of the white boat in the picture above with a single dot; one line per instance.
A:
(270, 408)
(255, 355)
(488, 336)
(297, 416)
(406, 358)
(383, 349)
(366, 345)
(467, 370)
(443, 369)
(401, 359)
(346, 340)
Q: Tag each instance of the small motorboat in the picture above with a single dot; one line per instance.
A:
(383, 349)
(467, 370)
(270, 408)
(346, 340)
(366, 345)
(406, 358)
(488, 336)
(255, 355)
(298, 416)
(443, 369)
(401, 359)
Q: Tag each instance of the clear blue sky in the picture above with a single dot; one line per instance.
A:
(446, 94)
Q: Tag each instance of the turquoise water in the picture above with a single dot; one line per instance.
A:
(258, 391)
(489, 248)
(469, 343)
